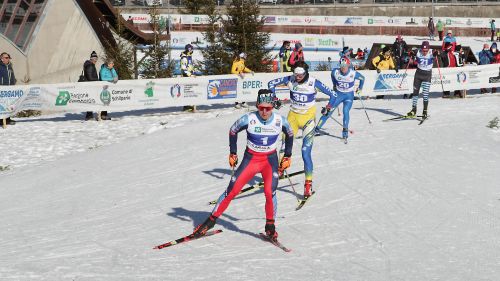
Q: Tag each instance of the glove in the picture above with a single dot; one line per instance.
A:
(378, 70)
(284, 164)
(277, 104)
(397, 70)
(325, 110)
(358, 92)
(233, 160)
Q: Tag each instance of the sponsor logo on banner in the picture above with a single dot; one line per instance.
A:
(192, 91)
(473, 77)
(461, 77)
(33, 99)
(354, 20)
(105, 96)
(495, 79)
(390, 82)
(65, 97)
(8, 98)
(282, 19)
(175, 91)
(437, 80)
(149, 89)
(250, 85)
(222, 88)
(270, 20)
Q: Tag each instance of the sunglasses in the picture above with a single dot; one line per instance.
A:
(6, 58)
(265, 108)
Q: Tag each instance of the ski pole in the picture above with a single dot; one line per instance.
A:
(404, 75)
(350, 131)
(439, 70)
(363, 104)
(293, 188)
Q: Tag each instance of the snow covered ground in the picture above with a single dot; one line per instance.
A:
(89, 201)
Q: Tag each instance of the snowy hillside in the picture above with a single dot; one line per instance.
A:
(89, 201)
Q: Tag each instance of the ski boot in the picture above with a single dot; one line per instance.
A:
(271, 232)
(202, 229)
(345, 133)
(424, 114)
(412, 113)
(307, 189)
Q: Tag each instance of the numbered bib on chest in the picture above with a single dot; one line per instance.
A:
(345, 83)
(424, 62)
(262, 137)
(303, 96)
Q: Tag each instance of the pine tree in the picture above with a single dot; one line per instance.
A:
(196, 7)
(216, 59)
(243, 33)
(157, 62)
(240, 32)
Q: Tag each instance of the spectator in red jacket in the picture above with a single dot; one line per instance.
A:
(297, 55)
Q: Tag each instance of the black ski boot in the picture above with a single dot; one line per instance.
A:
(412, 113)
(424, 113)
(271, 230)
(202, 229)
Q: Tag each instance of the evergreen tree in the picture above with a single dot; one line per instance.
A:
(240, 32)
(216, 59)
(196, 7)
(157, 62)
(243, 33)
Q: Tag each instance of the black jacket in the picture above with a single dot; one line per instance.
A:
(90, 71)
(7, 76)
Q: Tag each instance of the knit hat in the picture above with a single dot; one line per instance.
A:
(298, 45)
(93, 55)
(425, 45)
(494, 45)
(486, 46)
(449, 32)
(385, 49)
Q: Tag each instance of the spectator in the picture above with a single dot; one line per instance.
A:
(498, 36)
(449, 39)
(440, 28)
(108, 73)
(431, 28)
(384, 60)
(360, 55)
(448, 59)
(239, 68)
(90, 74)
(284, 54)
(492, 29)
(297, 55)
(496, 59)
(188, 70)
(7, 76)
(485, 57)
(400, 52)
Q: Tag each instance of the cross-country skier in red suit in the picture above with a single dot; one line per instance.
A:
(263, 128)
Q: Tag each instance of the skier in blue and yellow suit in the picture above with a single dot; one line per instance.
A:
(303, 89)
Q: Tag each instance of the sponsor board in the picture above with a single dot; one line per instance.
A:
(222, 88)
(387, 82)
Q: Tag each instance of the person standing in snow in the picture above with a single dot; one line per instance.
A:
(284, 55)
(343, 79)
(240, 68)
(440, 28)
(424, 61)
(303, 90)
(431, 28)
(7, 77)
(263, 128)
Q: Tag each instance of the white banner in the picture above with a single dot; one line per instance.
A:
(160, 93)
(450, 22)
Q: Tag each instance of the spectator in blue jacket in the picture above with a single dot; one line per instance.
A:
(7, 77)
(107, 73)
(485, 57)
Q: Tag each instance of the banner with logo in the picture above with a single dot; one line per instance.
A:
(203, 90)
(450, 22)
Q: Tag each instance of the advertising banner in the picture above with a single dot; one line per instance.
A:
(204, 90)
(450, 22)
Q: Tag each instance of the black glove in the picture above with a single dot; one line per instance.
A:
(277, 104)
(378, 70)
(397, 70)
(325, 110)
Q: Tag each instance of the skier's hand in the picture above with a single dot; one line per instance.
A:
(378, 70)
(233, 160)
(325, 110)
(284, 164)
(277, 104)
(358, 92)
